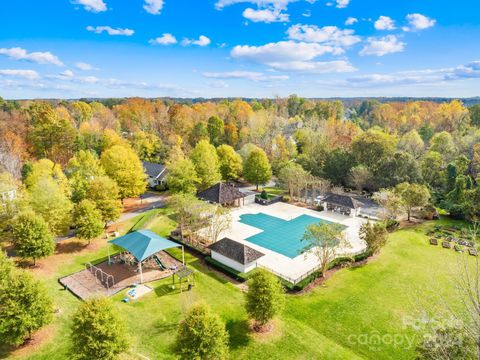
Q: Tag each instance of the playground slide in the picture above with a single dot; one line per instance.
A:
(159, 262)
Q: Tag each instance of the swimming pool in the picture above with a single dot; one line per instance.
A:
(281, 236)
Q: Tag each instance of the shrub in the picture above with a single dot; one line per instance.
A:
(264, 195)
(201, 335)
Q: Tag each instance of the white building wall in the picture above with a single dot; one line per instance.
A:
(233, 264)
(249, 199)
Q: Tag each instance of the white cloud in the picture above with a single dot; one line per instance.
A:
(384, 23)
(277, 4)
(92, 5)
(292, 56)
(315, 67)
(419, 22)
(265, 15)
(282, 51)
(420, 77)
(36, 57)
(351, 21)
(202, 41)
(220, 84)
(329, 35)
(153, 7)
(382, 46)
(110, 31)
(165, 39)
(84, 66)
(342, 3)
(68, 73)
(307, 14)
(250, 75)
(26, 74)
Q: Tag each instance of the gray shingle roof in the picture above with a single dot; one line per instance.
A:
(221, 193)
(154, 170)
(342, 200)
(236, 251)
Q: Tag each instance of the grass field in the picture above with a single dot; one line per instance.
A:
(337, 321)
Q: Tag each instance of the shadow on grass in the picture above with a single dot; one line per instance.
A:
(6, 351)
(70, 247)
(239, 332)
(161, 327)
(166, 289)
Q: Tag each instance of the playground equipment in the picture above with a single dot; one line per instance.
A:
(101, 276)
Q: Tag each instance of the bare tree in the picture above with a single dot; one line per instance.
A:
(219, 222)
(10, 162)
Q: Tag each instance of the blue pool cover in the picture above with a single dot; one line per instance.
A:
(281, 236)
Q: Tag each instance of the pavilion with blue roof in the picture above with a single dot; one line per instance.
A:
(142, 245)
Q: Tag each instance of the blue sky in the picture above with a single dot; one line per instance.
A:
(257, 48)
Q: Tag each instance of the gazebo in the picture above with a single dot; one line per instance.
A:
(142, 245)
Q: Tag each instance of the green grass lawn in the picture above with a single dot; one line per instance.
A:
(337, 321)
(274, 191)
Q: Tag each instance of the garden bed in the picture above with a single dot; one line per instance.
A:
(271, 199)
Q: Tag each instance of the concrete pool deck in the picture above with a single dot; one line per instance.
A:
(295, 268)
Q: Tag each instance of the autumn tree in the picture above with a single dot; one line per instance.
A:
(230, 163)
(97, 331)
(31, 237)
(47, 199)
(81, 111)
(122, 164)
(148, 146)
(81, 170)
(25, 305)
(104, 193)
(51, 133)
(264, 299)
(413, 196)
(324, 240)
(205, 159)
(372, 148)
(46, 169)
(88, 220)
(412, 143)
(201, 335)
(182, 176)
(257, 169)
